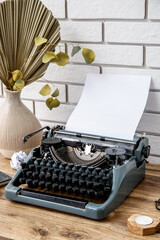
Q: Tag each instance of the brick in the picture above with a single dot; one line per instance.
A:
(154, 160)
(153, 56)
(153, 103)
(69, 73)
(149, 123)
(57, 7)
(109, 54)
(74, 93)
(132, 32)
(60, 114)
(32, 91)
(81, 31)
(154, 142)
(154, 9)
(155, 83)
(85, 9)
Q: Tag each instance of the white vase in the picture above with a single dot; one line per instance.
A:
(16, 121)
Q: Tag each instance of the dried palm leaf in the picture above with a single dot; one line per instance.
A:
(21, 21)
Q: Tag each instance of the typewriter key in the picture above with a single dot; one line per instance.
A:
(68, 180)
(48, 177)
(35, 175)
(48, 185)
(62, 187)
(55, 186)
(22, 180)
(29, 182)
(42, 184)
(69, 189)
(23, 165)
(76, 190)
(31, 167)
(61, 179)
(91, 193)
(55, 178)
(83, 191)
(42, 176)
(89, 184)
(75, 181)
(35, 183)
(29, 173)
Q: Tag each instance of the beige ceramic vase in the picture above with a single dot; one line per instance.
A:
(16, 121)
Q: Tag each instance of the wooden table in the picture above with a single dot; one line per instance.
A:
(26, 222)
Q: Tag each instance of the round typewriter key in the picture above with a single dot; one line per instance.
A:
(68, 180)
(55, 178)
(24, 171)
(29, 182)
(35, 175)
(90, 169)
(62, 187)
(50, 170)
(61, 179)
(84, 168)
(44, 169)
(57, 171)
(75, 181)
(69, 189)
(90, 176)
(77, 174)
(64, 165)
(76, 190)
(48, 185)
(39, 160)
(42, 184)
(38, 168)
(83, 191)
(97, 178)
(55, 186)
(63, 172)
(23, 165)
(22, 180)
(96, 185)
(33, 159)
(82, 183)
(91, 193)
(29, 174)
(89, 184)
(42, 176)
(84, 175)
(70, 173)
(48, 177)
(35, 183)
(105, 179)
(31, 167)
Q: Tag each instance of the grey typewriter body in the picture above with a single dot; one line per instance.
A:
(91, 187)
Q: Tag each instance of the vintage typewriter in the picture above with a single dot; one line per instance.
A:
(79, 173)
(77, 168)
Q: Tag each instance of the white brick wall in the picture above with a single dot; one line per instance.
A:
(125, 35)
(98, 9)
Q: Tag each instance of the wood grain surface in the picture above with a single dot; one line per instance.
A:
(26, 222)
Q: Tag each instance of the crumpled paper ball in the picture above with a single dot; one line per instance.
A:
(17, 158)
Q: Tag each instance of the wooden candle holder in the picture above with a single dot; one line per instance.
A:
(143, 229)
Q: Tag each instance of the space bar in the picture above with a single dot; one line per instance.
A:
(53, 198)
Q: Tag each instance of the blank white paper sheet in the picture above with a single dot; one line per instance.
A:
(110, 105)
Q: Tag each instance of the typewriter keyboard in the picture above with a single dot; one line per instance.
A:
(66, 178)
